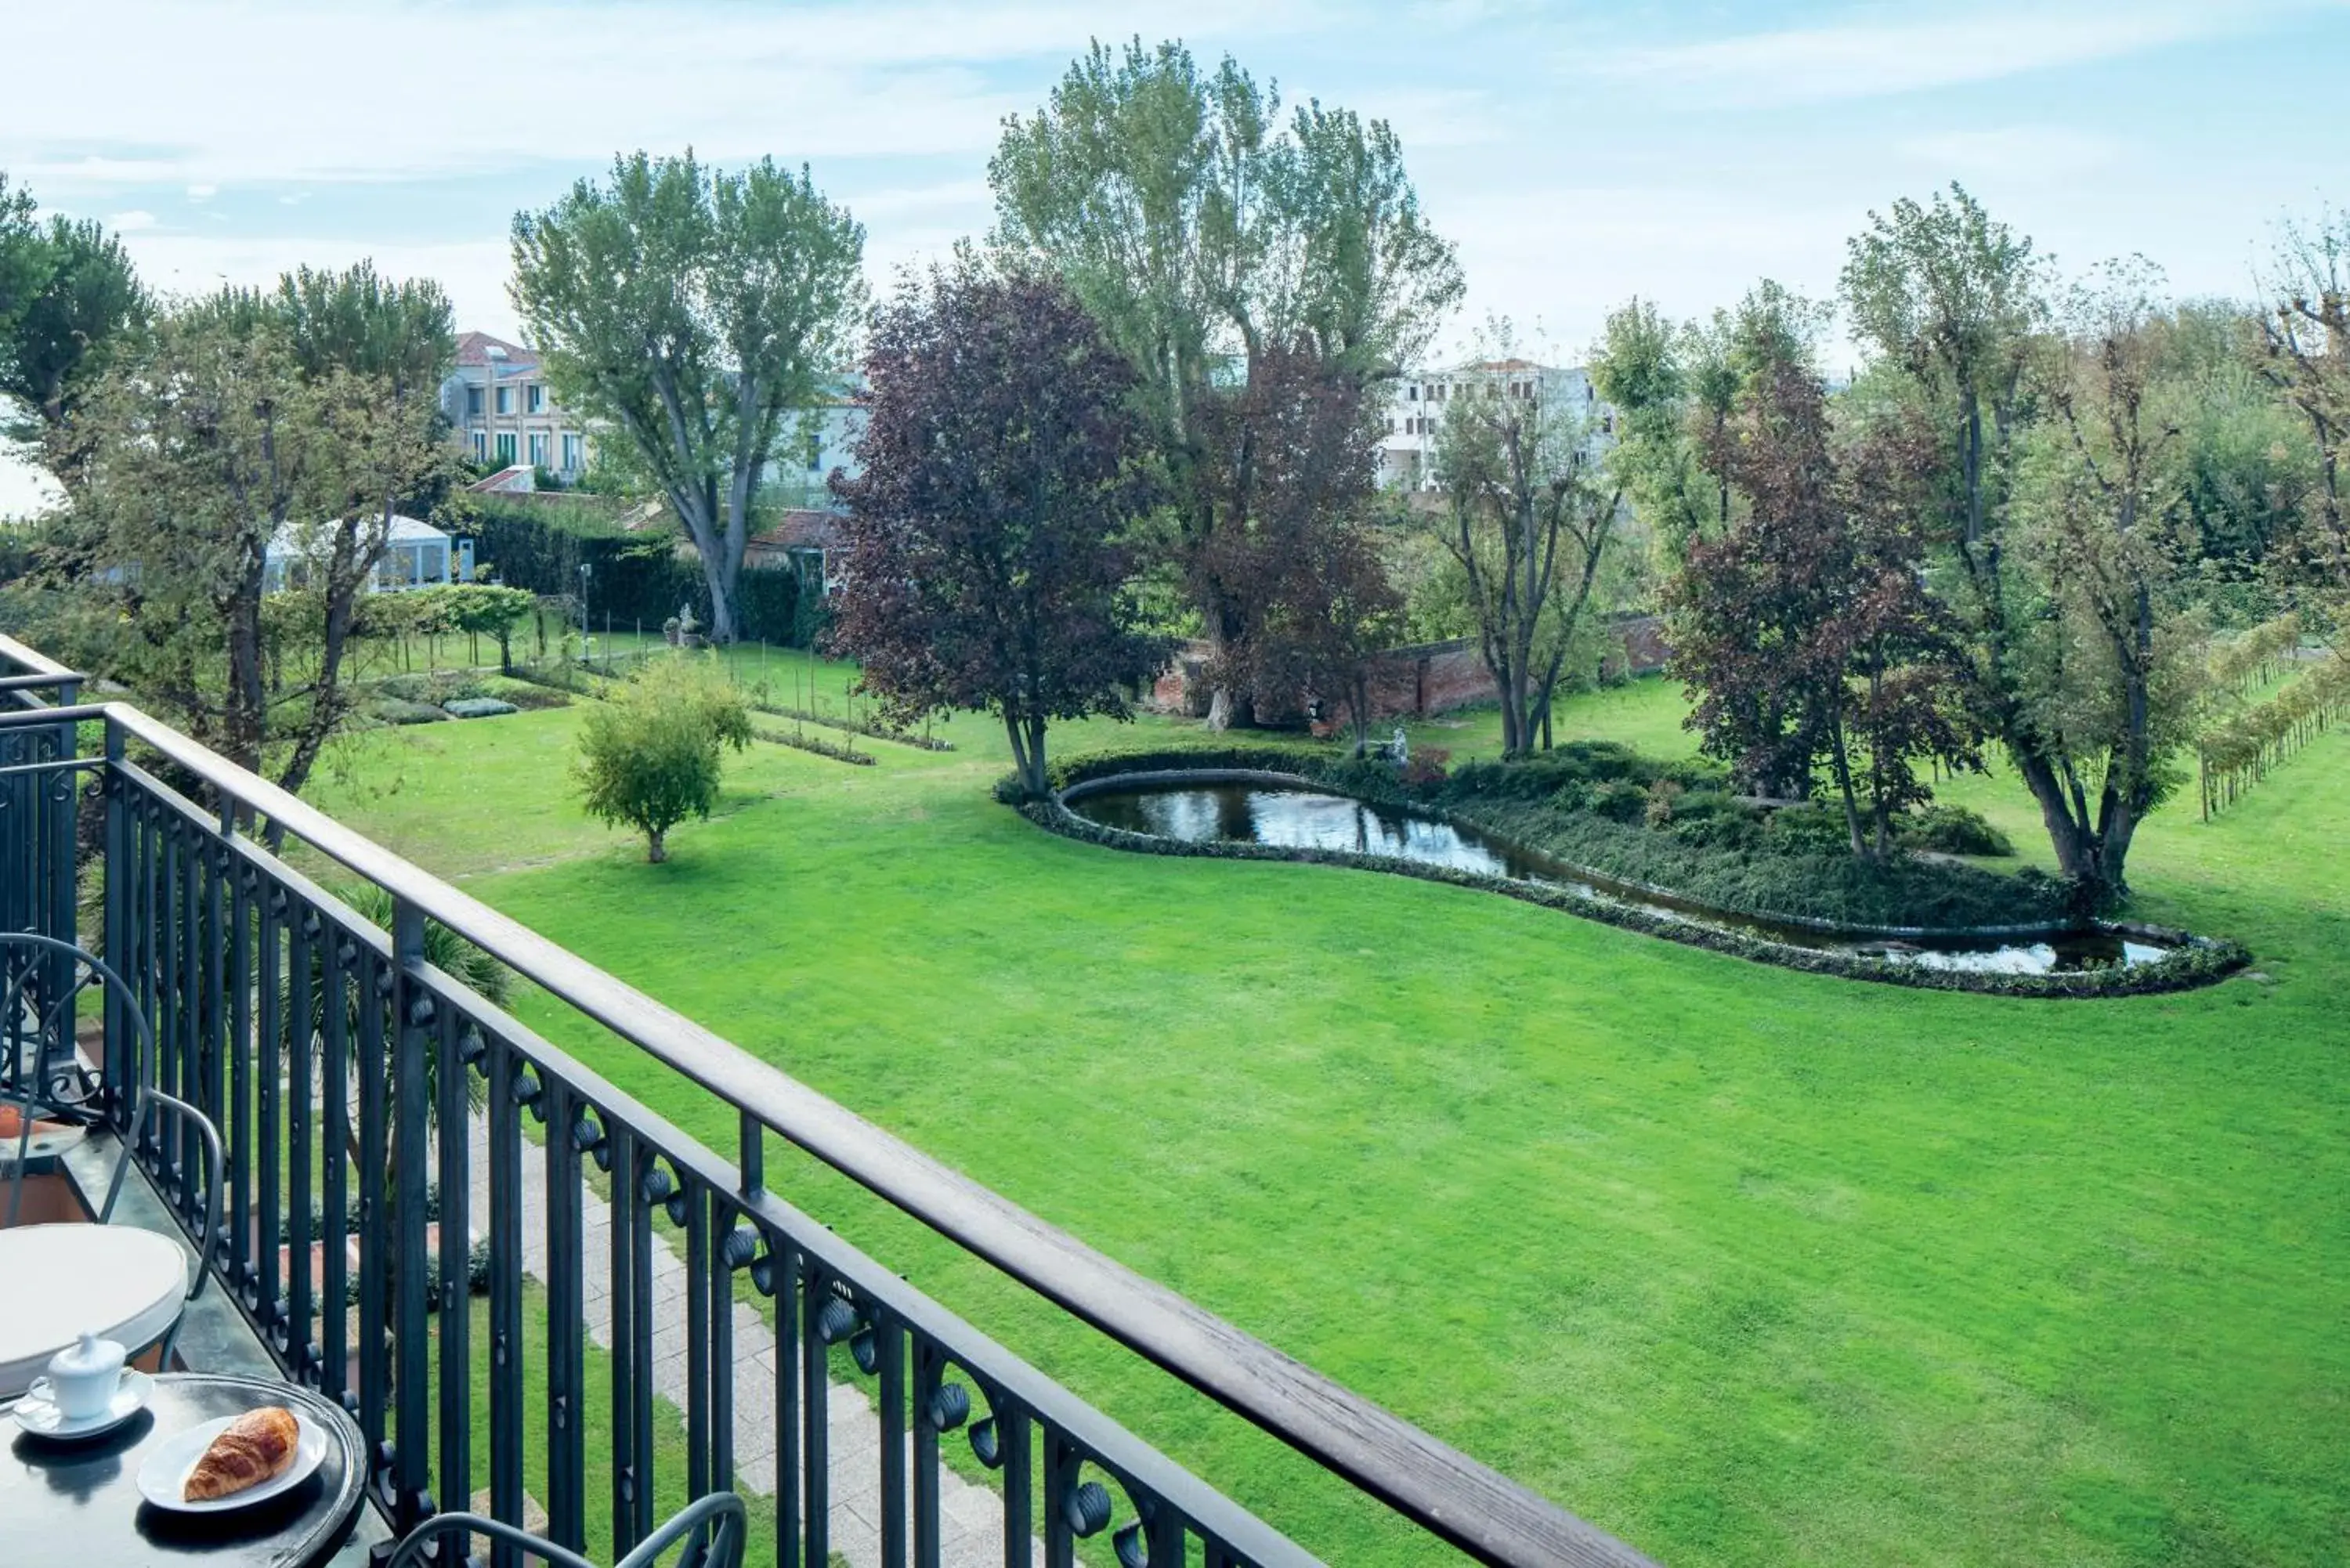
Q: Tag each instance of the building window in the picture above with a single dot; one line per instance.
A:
(472, 402)
(506, 400)
(572, 462)
(481, 446)
(535, 396)
(538, 449)
(1414, 394)
(506, 446)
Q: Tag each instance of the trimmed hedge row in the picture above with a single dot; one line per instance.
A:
(2199, 962)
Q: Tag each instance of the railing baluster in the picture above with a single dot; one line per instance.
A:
(928, 1371)
(505, 1155)
(1019, 1497)
(334, 1158)
(890, 1394)
(302, 1120)
(724, 1261)
(369, 994)
(452, 1133)
(700, 1285)
(169, 995)
(188, 1070)
(212, 1010)
(566, 1509)
(816, 1411)
(636, 1346)
(119, 871)
(632, 1335)
(1061, 1463)
(150, 924)
(407, 1271)
(784, 1274)
(270, 1146)
(239, 977)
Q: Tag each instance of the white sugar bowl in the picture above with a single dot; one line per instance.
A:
(83, 1378)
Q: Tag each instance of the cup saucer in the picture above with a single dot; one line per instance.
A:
(36, 1413)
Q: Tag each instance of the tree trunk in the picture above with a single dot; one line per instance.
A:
(656, 845)
(1842, 762)
(1037, 783)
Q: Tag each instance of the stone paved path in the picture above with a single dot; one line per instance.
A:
(970, 1517)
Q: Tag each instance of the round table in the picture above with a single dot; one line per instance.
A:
(57, 1282)
(78, 1503)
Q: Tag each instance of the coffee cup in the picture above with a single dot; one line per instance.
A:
(83, 1378)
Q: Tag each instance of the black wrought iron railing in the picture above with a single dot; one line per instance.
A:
(338, 1063)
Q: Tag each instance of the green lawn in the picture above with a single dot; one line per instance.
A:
(1745, 1265)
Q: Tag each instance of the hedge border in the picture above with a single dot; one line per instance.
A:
(2198, 962)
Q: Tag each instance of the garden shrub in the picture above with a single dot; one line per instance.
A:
(1953, 830)
(1809, 830)
(396, 711)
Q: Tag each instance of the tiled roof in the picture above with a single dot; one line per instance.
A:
(472, 348)
(801, 528)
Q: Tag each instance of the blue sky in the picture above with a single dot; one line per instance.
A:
(1577, 153)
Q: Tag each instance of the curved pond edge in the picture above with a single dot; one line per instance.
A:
(2193, 962)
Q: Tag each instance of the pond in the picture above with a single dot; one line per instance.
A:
(1255, 813)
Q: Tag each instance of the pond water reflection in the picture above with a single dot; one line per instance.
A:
(1289, 817)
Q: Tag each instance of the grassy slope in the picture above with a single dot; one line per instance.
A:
(1745, 1265)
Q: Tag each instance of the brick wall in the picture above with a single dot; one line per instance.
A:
(1430, 678)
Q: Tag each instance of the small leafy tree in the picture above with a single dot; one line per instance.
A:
(651, 757)
(1802, 623)
(1295, 453)
(482, 610)
(1529, 521)
(1003, 467)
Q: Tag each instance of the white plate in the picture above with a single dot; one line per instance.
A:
(38, 1415)
(164, 1478)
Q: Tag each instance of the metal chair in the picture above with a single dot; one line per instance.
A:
(43, 1077)
(720, 1513)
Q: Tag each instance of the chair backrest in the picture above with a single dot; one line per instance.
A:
(42, 981)
(716, 1520)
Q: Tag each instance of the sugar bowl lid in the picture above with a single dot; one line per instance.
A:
(87, 1354)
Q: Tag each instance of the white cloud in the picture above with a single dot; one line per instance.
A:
(2021, 154)
(1865, 59)
(130, 222)
(202, 192)
(534, 82)
(1560, 257)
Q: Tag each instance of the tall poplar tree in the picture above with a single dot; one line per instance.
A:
(697, 312)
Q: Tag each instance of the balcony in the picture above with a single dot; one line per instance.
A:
(610, 1282)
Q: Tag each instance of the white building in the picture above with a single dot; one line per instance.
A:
(802, 476)
(1415, 410)
(416, 555)
(498, 398)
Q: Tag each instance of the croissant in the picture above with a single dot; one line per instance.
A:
(256, 1447)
